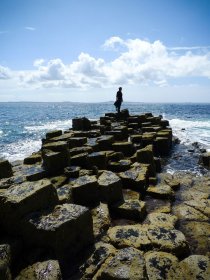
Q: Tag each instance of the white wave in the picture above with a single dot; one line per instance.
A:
(1, 132)
(50, 126)
(191, 131)
(21, 149)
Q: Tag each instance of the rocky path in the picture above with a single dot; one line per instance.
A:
(94, 204)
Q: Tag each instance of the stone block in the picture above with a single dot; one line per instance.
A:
(5, 262)
(119, 166)
(94, 262)
(34, 158)
(127, 263)
(126, 148)
(77, 142)
(134, 179)
(162, 146)
(72, 171)
(136, 138)
(57, 146)
(80, 160)
(110, 187)
(161, 191)
(105, 142)
(85, 190)
(64, 194)
(54, 162)
(80, 150)
(101, 219)
(131, 209)
(145, 155)
(49, 270)
(81, 124)
(67, 229)
(53, 133)
(97, 159)
(18, 200)
(5, 169)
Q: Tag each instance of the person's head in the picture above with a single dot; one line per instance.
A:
(120, 88)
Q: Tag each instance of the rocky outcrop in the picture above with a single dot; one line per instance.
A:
(94, 201)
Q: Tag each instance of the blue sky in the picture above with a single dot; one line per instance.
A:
(83, 50)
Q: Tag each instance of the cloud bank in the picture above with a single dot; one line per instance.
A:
(137, 62)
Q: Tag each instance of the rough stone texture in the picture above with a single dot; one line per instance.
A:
(57, 146)
(64, 194)
(101, 219)
(77, 142)
(126, 148)
(120, 166)
(193, 267)
(81, 124)
(80, 160)
(97, 159)
(48, 270)
(5, 261)
(72, 171)
(130, 194)
(169, 240)
(110, 187)
(157, 205)
(5, 169)
(197, 234)
(161, 191)
(34, 173)
(53, 133)
(19, 200)
(145, 155)
(85, 190)
(162, 219)
(55, 162)
(134, 179)
(66, 229)
(189, 213)
(94, 262)
(34, 158)
(126, 264)
(105, 142)
(158, 264)
(129, 235)
(130, 209)
(80, 150)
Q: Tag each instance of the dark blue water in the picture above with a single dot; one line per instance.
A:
(22, 125)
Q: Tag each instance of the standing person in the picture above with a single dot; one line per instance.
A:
(119, 100)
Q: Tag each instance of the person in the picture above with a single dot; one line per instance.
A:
(119, 100)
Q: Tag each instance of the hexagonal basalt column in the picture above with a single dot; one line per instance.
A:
(67, 229)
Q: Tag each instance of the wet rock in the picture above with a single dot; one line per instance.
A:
(205, 159)
(145, 155)
(5, 262)
(127, 263)
(130, 209)
(54, 162)
(189, 213)
(202, 205)
(197, 234)
(101, 219)
(193, 267)
(126, 148)
(129, 235)
(105, 142)
(97, 159)
(119, 166)
(130, 194)
(19, 200)
(59, 181)
(158, 264)
(49, 270)
(80, 150)
(169, 240)
(34, 158)
(94, 262)
(49, 228)
(81, 124)
(77, 142)
(134, 179)
(57, 146)
(34, 173)
(161, 191)
(80, 160)
(157, 205)
(162, 219)
(64, 194)
(53, 133)
(110, 187)
(72, 171)
(5, 169)
(85, 190)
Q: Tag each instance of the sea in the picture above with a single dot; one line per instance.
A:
(24, 124)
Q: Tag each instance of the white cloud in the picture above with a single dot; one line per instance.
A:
(30, 28)
(5, 73)
(138, 62)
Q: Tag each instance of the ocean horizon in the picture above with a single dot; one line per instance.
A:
(24, 124)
